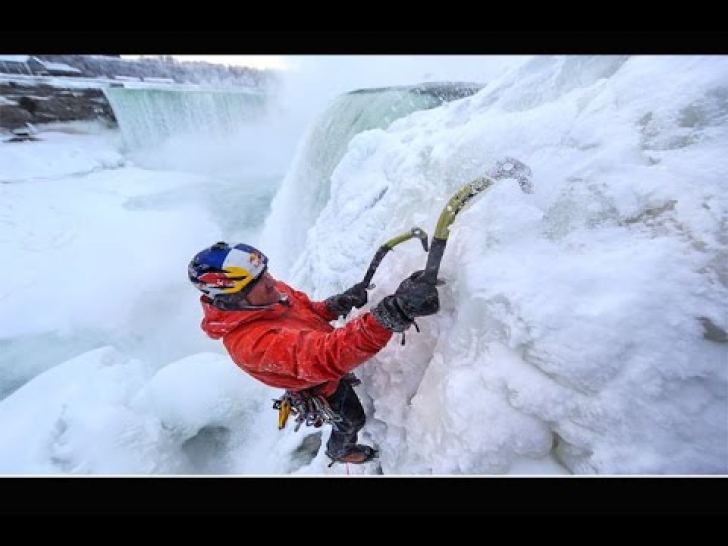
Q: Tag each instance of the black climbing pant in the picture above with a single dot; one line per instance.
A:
(346, 403)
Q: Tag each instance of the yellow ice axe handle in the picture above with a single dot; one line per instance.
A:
(447, 217)
(389, 245)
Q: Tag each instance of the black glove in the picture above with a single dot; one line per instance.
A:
(341, 304)
(413, 298)
(416, 297)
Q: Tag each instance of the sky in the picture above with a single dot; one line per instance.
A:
(261, 62)
(581, 331)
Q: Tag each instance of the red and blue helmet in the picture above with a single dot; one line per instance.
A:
(223, 269)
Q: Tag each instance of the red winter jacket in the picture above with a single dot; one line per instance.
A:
(294, 347)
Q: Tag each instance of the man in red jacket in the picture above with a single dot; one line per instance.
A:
(282, 338)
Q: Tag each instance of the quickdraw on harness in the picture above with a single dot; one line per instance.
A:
(314, 410)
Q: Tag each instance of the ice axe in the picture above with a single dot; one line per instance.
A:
(389, 245)
(504, 169)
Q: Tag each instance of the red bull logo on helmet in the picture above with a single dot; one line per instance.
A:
(217, 279)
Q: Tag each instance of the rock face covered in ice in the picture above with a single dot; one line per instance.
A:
(585, 321)
(36, 103)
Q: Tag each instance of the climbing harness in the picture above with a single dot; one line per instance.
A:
(311, 409)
